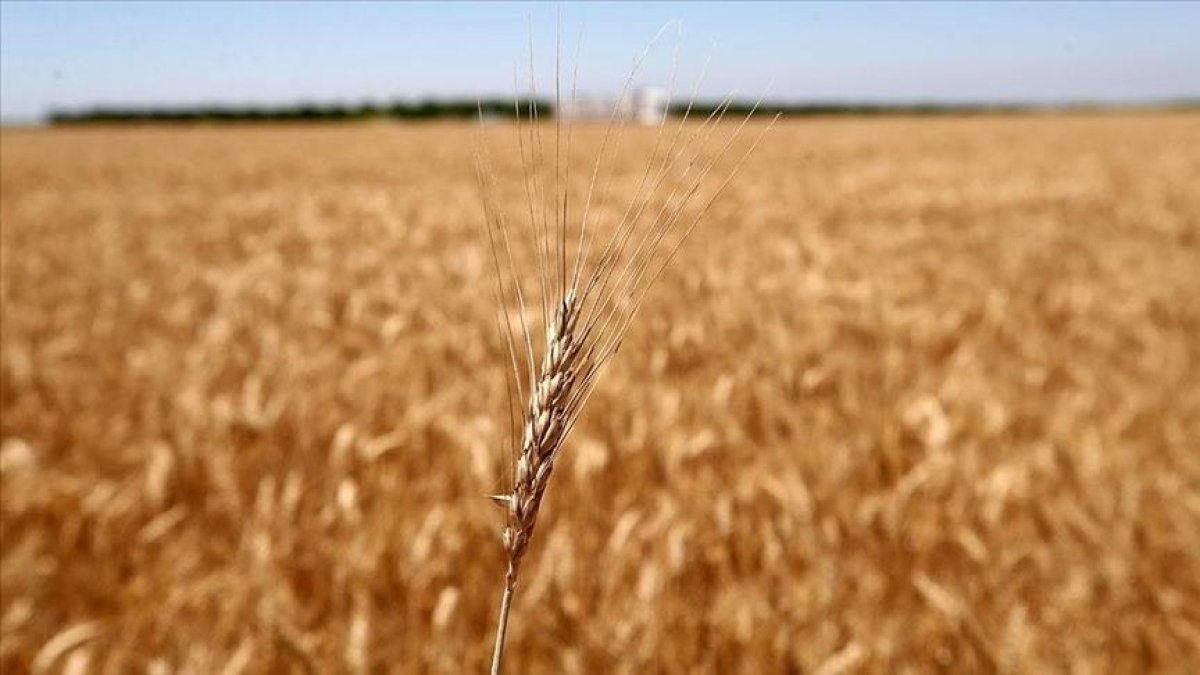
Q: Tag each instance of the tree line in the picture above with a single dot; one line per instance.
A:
(508, 109)
(408, 110)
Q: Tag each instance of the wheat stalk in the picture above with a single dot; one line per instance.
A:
(586, 305)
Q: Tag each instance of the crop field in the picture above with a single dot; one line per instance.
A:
(920, 394)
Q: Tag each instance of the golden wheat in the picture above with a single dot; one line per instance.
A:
(585, 313)
(920, 399)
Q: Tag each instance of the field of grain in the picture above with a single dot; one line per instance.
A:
(920, 395)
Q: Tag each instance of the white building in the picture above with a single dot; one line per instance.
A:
(647, 105)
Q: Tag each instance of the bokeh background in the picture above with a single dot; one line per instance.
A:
(919, 395)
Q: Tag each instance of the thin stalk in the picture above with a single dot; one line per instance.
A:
(510, 582)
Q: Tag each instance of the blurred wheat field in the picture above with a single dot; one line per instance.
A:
(920, 395)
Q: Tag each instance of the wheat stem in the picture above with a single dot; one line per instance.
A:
(510, 582)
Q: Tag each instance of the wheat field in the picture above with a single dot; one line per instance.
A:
(920, 395)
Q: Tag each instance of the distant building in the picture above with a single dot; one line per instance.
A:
(650, 105)
(647, 105)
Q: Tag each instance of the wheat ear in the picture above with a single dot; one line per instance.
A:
(546, 423)
(585, 315)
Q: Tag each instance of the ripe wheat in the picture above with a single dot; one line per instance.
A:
(586, 305)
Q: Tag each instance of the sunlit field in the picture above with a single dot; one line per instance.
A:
(919, 395)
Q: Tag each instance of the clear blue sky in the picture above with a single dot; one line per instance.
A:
(78, 54)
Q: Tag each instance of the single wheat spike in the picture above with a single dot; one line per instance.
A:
(545, 428)
(587, 304)
(546, 425)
